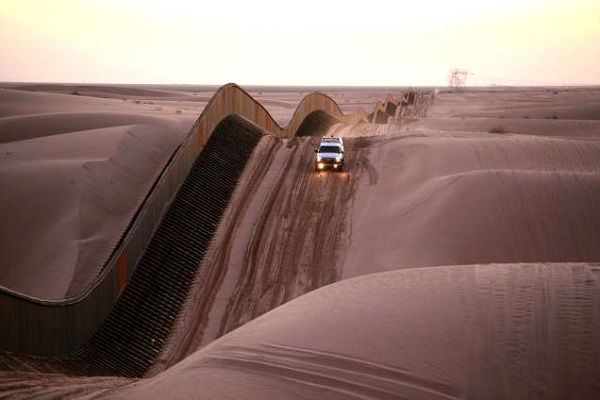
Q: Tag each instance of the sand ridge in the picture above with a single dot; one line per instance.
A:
(466, 199)
(74, 170)
(74, 194)
(433, 333)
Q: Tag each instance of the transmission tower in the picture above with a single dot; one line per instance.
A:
(457, 78)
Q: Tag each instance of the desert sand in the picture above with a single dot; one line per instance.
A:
(74, 170)
(444, 262)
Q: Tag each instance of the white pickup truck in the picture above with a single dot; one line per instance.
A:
(330, 154)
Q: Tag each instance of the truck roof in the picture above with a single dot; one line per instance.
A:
(336, 139)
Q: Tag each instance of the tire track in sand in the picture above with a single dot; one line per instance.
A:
(295, 246)
(282, 235)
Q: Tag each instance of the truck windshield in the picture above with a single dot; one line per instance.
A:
(329, 149)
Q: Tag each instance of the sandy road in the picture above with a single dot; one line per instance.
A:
(282, 235)
(296, 241)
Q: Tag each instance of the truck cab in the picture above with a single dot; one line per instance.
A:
(330, 154)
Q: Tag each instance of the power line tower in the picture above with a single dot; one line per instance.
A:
(457, 78)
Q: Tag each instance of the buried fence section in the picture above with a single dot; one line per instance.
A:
(134, 332)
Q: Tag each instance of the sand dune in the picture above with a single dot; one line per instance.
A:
(183, 107)
(539, 127)
(72, 178)
(94, 90)
(28, 126)
(486, 239)
(17, 102)
(469, 262)
(67, 200)
(528, 103)
(477, 331)
(476, 198)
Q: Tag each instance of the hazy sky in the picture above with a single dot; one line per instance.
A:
(304, 42)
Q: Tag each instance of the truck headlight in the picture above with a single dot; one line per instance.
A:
(338, 159)
(319, 159)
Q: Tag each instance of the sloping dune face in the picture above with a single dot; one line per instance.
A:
(453, 198)
(68, 198)
(71, 182)
(477, 331)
